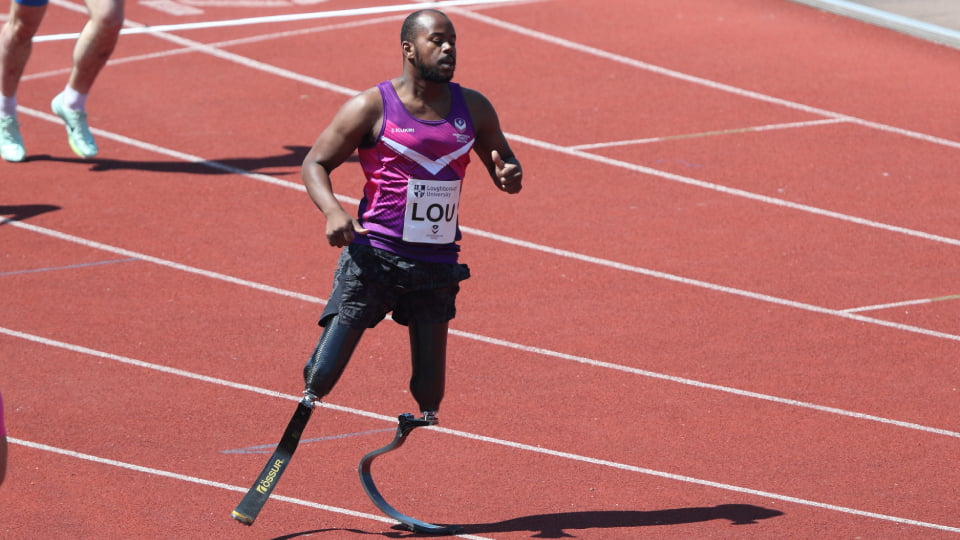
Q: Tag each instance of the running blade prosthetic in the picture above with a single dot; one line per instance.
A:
(251, 504)
(407, 423)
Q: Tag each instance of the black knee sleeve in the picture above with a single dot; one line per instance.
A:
(330, 357)
(428, 350)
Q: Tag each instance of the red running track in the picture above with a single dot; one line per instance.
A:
(725, 304)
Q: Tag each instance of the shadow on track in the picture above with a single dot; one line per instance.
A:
(558, 525)
(21, 212)
(275, 165)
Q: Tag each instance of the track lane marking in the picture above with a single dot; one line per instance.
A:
(463, 434)
(281, 72)
(316, 300)
(118, 60)
(569, 254)
(512, 241)
(721, 132)
(136, 28)
(704, 385)
(201, 481)
(163, 262)
(254, 64)
(64, 267)
(735, 192)
(268, 448)
(905, 303)
(600, 53)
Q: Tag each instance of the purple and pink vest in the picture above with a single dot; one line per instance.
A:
(414, 171)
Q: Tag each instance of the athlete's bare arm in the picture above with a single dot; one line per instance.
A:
(356, 123)
(491, 144)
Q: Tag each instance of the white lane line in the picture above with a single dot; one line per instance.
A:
(908, 134)
(721, 132)
(585, 258)
(64, 267)
(708, 483)
(269, 19)
(703, 385)
(268, 448)
(512, 241)
(472, 436)
(490, 340)
(749, 195)
(711, 286)
(586, 49)
(163, 262)
(257, 65)
(118, 60)
(593, 51)
(254, 64)
(518, 138)
(201, 481)
(905, 303)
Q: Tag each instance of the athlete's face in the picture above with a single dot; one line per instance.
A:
(435, 49)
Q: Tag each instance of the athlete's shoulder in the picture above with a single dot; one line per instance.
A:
(481, 109)
(470, 94)
(474, 98)
(370, 97)
(365, 107)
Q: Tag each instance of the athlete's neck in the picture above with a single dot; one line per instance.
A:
(425, 100)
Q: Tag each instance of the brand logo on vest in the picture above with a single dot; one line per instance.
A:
(460, 124)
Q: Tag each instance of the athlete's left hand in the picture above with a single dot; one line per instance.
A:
(509, 175)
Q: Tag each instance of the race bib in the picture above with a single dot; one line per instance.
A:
(431, 213)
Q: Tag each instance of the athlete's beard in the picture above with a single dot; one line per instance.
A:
(433, 74)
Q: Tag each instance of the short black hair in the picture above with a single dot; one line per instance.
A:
(408, 31)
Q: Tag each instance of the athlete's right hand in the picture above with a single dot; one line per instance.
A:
(342, 228)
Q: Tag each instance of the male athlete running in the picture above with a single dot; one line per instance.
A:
(413, 135)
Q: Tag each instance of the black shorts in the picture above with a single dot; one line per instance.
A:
(370, 283)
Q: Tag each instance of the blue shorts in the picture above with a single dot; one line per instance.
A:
(32, 3)
(371, 282)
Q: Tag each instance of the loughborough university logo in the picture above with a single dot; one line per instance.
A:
(461, 126)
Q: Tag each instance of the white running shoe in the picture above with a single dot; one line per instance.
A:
(78, 132)
(11, 143)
